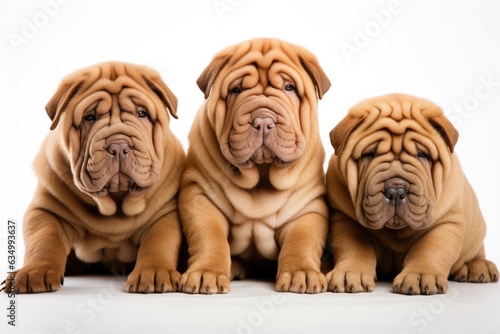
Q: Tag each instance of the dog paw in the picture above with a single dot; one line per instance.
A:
(301, 281)
(152, 280)
(204, 282)
(33, 279)
(477, 271)
(350, 281)
(411, 283)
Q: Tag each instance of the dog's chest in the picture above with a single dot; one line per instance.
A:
(256, 216)
(258, 228)
(256, 233)
(98, 249)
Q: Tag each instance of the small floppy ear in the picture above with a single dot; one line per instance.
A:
(317, 74)
(209, 74)
(158, 86)
(59, 101)
(340, 133)
(445, 129)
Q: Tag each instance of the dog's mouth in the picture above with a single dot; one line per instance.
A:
(118, 167)
(263, 155)
(121, 182)
(395, 223)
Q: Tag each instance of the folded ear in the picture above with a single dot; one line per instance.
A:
(58, 102)
(158, 86)
(312, 67)
(209, 74)
(341, 132)
(445, 129)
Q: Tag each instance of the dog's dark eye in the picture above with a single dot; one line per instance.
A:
(368, 155)
(89, 117)
(142, 114)
(289, 87)
(236, 90)
(422, 155)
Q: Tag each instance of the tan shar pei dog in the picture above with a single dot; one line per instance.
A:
(252, 196)
(108, 177)
(402, 207)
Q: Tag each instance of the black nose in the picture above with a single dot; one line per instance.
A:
(395, 195)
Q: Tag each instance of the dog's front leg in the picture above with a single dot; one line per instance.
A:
(47, 247)
(156, 266)
(428, 262)
(299, 261)
(355, 260)
(206, 230)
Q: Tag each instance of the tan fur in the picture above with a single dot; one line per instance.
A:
(112, 226)
(263, 209)
(440, 237)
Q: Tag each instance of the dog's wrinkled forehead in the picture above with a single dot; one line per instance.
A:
(111, 77)
(263, 53)
(395, 117)
(263, 63)
(397, 114)
(259, 55)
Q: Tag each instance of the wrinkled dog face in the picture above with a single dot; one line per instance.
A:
(115, 152)
(395, 170)
(114, 117)
(396, 159)
(261, 129)
(261, 96)
(259, 102)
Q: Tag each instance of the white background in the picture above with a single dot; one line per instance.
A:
(446, 51)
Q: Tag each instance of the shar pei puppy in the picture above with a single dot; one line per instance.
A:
(402, 207)
(109, 173)
(252, 197)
